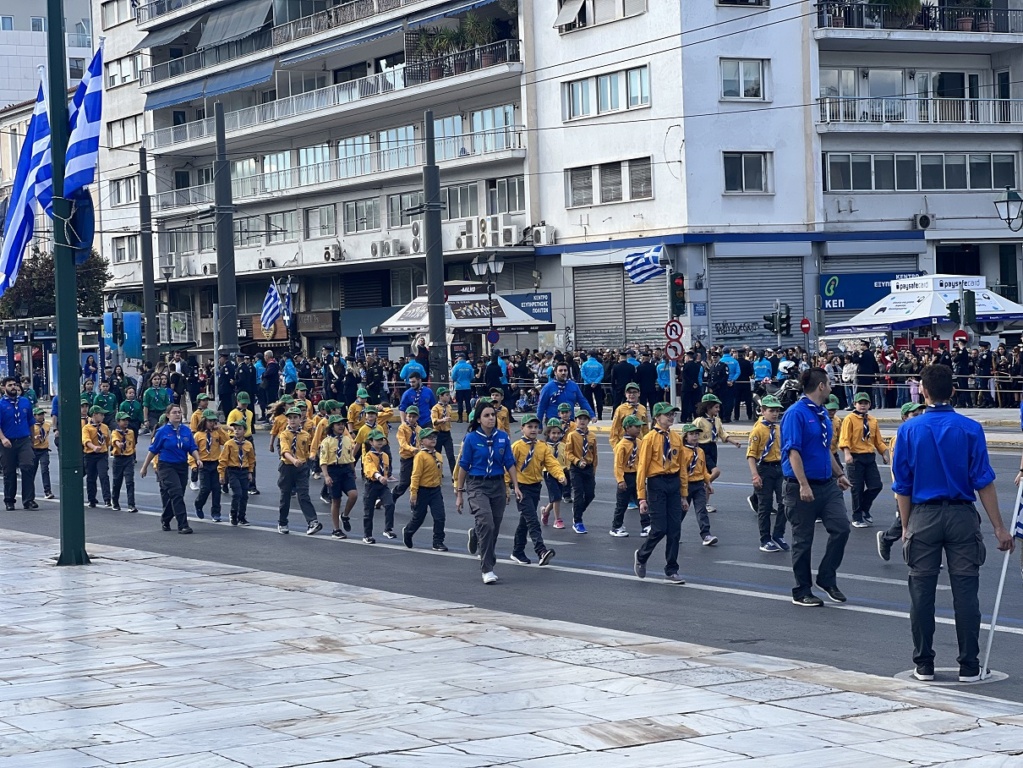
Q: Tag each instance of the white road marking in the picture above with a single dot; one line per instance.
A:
(844, 575)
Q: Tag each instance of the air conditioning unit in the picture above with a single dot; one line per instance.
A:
(417, 243)
(417, 229)
(386, 248)
(392, 247)
(376, 249)
(209, 268)
(465, 242)
(543, 235)
(337, 253)
(923, 221)
(988, 328)
(206, 325)
(186, 268)
(265, 264)
(327, 254)
(486, 240)
(511, 235)
(490, 225)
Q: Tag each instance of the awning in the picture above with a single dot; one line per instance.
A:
(568, 12)
(243, 77)
(166, 35)
(177, 94)
(234, 22)
(466, 5)
(332, 46)
(468, 310)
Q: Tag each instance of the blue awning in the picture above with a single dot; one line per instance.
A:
(177, 94)
(236, 79)
(166, 35)
(463, 7)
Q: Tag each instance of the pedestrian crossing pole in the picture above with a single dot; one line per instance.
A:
(72, 501)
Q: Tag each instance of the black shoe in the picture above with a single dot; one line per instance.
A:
(389, 534)
(186, 529)
(752, 501)
(116, 507)
(638, 567)
(31, 505)
(243, 521)
(49, 495)
(9, 505)
(225, 488)
(808, 601)
(834, 593)
(924, 672)
(215, 518)
(337, 533)
(369, 540)
(253, 491)
(546, 556)
(439, 548)
(346, 524)
(521, 559)
(969, 675)
(884, 548)
(234, 520)
(133, 509)
(91, 505)
(165, 526)
(406, 537)
(474, 544)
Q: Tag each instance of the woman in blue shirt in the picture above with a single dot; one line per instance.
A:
(173, 443)
(461, 377)
(486, 455)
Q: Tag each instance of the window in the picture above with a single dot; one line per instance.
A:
(38, 23)
(404, 282)
(742, 79)
(276, 175)
(248, 231)
(448, 134)
(354, 156)
(625, 89)
(580, 186)
(641, 185)
(314, 164)
(362, 215)
(397, 147)
(6, 23)
(745, 171)
(399, 205)
(611, 178)
(462, 202)
(124, 191)
(177, 241)
(492, 128)
(886, 172)
(115, 12)
(75, 68)
(507, 195)
(280, 227)
(319, 222)
(611, 183)
(579, 99)
(578, 14)
(639, 87)
(124, 70)
(607, 93)
(124, 131)
(207, 237)
(125, 249)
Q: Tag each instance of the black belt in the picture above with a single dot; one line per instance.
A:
(769, 463)
(943, 502)
(811, 482)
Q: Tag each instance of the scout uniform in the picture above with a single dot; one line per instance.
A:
(201, 404)
(211, 444)
(356, 411)
(376, 466)
(441, 415)
(861, 437)
(122, 447)
(300, 396)
(626, 459)
(108, 402)
(555, 490)
(662, 482)
(384, 415)
(427, 476)
(408, 437)
(154, 402)
(237, 462)
(294, 444)
(694, 464)
(532, 459)
(836, 425)
(41, 450)
(134, 410)
(96, 447)
(503, 414)
(280, 421)
(886, 539)
(337, 460)
(764, 457)
(248, 416)
(581, 448)
(567, 426)
(636, 409)
(711, 430)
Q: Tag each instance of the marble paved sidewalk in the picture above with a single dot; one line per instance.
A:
(150, 661)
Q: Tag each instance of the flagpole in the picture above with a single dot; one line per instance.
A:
(72, 502)
(984, 669)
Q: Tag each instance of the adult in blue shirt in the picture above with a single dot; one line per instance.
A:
(421, 397)
(664, 371)
(762, 368)
(290, 375)
(814, 482)
(940, 466)
(486, 455)
(593, 383)
(461, 379)
(173, 443)
(412, 366)
(16, 453)
(560, 390)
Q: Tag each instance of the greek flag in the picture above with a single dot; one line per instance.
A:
(83, 145)
(644, 265)
(272, 308)
(19, 222)
(360, 347)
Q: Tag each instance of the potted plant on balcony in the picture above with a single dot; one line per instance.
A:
(983, 15)
(450, 42)
(898, 14)
(964, 14)
(428, 50)
(480, 31)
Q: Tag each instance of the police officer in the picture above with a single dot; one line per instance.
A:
(938, 514)
(226, 380)
(814, 482)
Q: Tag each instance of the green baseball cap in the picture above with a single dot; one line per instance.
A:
(442, 391)
(209, 413)
(632, 385)
(832, 404)
(293, 412)
(301, 385)
(86, 400)
(497, 391)
(551, 423)
(564, 407)
(662, 408)
(770, 401)
(861, 397)
(287, 399)
(709, 398)
(376, 434)
(632, 421)
(426, 432)
(690, 428)
(121, 416)
(243, 397)
(96, 409)
(583, 415)
(370, 409)
(529, 418)
(240, 423)
(336, 420)
(302, 404)
(362, 393)
(413, 409)
(37, 411)
(202, 396)
(909, 408)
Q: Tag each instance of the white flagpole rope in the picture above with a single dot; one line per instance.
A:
(984, 670)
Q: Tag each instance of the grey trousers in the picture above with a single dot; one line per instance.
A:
(829, 506)
(487, 501)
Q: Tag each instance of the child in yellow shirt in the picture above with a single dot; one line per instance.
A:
(425, 489)
(694, 463)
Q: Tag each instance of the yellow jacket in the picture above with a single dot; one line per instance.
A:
(329, 450)
(122, 443)
(427, 470)
(653, 464)
(626, 457)
(543, 461)
(574, 448)
(623, 410)
(852, 435)
(98, 435)
(759, 437)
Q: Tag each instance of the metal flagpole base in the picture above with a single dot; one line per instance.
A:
(74, 557)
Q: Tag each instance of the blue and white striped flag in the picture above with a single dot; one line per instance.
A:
(360, 347)
(272, 308)
(19, 222)
(83, 145)
(287, 305)
(645, 265)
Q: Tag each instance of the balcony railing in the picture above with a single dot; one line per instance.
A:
(921, 110)
(340, 94)
(931, 18)
(150, 11)
(78, 40)
(207, 57)
(332, 18)
(411, 155)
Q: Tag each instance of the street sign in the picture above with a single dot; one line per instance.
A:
(960, 335)
(674, 350)
(804, 325)
(493, 337)
(673, 330)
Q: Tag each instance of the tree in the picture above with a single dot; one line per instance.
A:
(34, 289)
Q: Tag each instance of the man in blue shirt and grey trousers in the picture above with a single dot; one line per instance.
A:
(941, 466)
(16, 421)
(814, 482)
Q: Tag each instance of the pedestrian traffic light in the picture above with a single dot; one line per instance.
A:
(771, 322)
(785, 320)
(678, 294)
(953, 313)
(969, 307)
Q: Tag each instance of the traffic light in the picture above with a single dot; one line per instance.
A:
(785, 320)
(678, 294)
(771, 323)
(969, 307)
(953, 313)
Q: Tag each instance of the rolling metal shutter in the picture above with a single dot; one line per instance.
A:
(598, 297)
(894, 262)
(646, 311)
(741, 291)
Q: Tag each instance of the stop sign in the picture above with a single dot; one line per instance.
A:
(960, 335)
(804, 325)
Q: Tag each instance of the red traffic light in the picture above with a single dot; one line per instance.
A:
(679, 281)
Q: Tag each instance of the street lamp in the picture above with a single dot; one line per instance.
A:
(1010, 208)
(489, 268)
(168, 273)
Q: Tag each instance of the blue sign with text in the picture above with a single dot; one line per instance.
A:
(857, 290)
(538, 305)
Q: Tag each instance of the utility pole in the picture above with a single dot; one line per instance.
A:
(152, 343)
(72, 503)
(434, 256)
(227, 296)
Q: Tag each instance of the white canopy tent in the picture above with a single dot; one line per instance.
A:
(923, 301)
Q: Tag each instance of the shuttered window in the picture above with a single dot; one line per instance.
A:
(598, 297)
(741, 291)
(611, 182)
(580, 186)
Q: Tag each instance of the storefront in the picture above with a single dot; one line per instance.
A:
(742, 289)
(612, 312)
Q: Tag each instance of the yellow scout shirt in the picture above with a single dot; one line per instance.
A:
(654, 463)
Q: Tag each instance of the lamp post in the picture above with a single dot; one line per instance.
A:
(489, 268)
(168, 273)
(1010, 209)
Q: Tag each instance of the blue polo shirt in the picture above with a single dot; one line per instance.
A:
(942, 456)
(461, 376)
(16, 417)
(173, 447)
(424, 399)
(552, 395)
(486, 457)
(807, 430)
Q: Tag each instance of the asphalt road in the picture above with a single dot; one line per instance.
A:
(736, 597)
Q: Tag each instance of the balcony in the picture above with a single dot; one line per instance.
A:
(205, 58)
(332, 18)
(957, 115)
(395, 161)
(78, 40)
(931, 18)
(148, 12)
(341, 94)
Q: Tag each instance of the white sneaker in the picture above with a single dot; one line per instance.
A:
(619, 533)
(710, 541)
(282, 529)
(489, 577)
(193, 485)
(645, 532)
